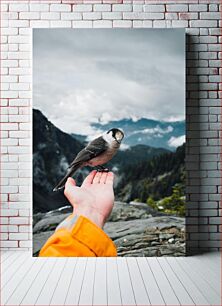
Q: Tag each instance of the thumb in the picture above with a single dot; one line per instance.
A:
(70, 182)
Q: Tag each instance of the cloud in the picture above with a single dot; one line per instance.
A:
(176, 141)
(85, 75)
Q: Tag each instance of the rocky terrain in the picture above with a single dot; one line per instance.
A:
(136, 229)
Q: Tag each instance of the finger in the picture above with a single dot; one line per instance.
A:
(70, 182)
(110, 178)
(97, 177)
(103, 178)
(70, 188)
(89, 179)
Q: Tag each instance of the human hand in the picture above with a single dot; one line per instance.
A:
(94, 199)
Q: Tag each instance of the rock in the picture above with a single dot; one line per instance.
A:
(49, 223)
(165, 236)
(171, 240)
(124, 212)
(133, 232)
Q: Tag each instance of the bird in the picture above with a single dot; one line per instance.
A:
(97, 153)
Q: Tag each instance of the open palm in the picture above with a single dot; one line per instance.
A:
(95, 198)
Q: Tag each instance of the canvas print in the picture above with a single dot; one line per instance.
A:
(109, 142)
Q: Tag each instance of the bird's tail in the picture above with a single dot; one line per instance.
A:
(72, 170)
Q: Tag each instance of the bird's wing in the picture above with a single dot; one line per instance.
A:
(93, 149)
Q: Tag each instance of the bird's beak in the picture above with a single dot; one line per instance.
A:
(117, 140)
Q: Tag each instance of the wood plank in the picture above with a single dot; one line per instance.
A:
(17, 278)
(13, 269)
(126, 289)
(151, 285)
(100, 283)
(23, 287)
(188, 283)
(48, 290)
(62, 288)
(10, 261)
(75, 286)
(113, 286)
(166, 289)
(181, 293)
(139, 289)
(208, 292)
(39, 282)
(206, 273)
(212, 261)
(86, 294)
(4, 255)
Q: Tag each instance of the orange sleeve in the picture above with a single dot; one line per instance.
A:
(85, 239)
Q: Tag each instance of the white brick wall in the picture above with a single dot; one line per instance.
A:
(201, 20)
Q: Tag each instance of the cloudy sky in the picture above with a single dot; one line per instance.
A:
(85, 75)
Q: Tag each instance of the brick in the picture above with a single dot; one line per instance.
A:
(102, 24)
(179, 23)
(215, 63)
(213, 7)
(92, 15)
(207, 15)
(18, 23)
(39, 24)
(154, 8)
(137, 7)
(9, 212)
(188, 16)
(177, 8)
(24, 212)
(60, 8)
(4, 220)
(60, 24)
(19, 102)
(25, 244)
(19, 118)
(19, 7)
(215, 220)
(9, 142)
(51, 16)
(19, 220)
(112, 15)
(24, 229)
(9, 126)
(82, 8)
(171, 16)
(9, 63)
(71, 16)
(203, 23)
(9, 189)
(9, 244)
(18, 71)
(18, 150)
(197, 7)
(82, 24)
(135, 15)
(102, 7)
(29, 15)
(18, 236)
(37, 7)
(122, 7)
(122, 23)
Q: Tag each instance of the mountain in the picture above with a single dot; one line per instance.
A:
(53, 151)
(154, 178)
(149, 132)
(140, 170)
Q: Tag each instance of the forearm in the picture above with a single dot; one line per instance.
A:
(79, 236)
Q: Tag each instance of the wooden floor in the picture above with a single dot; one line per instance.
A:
(110, 281)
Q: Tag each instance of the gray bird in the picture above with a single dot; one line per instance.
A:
(97, 153)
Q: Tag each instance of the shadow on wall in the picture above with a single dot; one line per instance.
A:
(194, 222)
